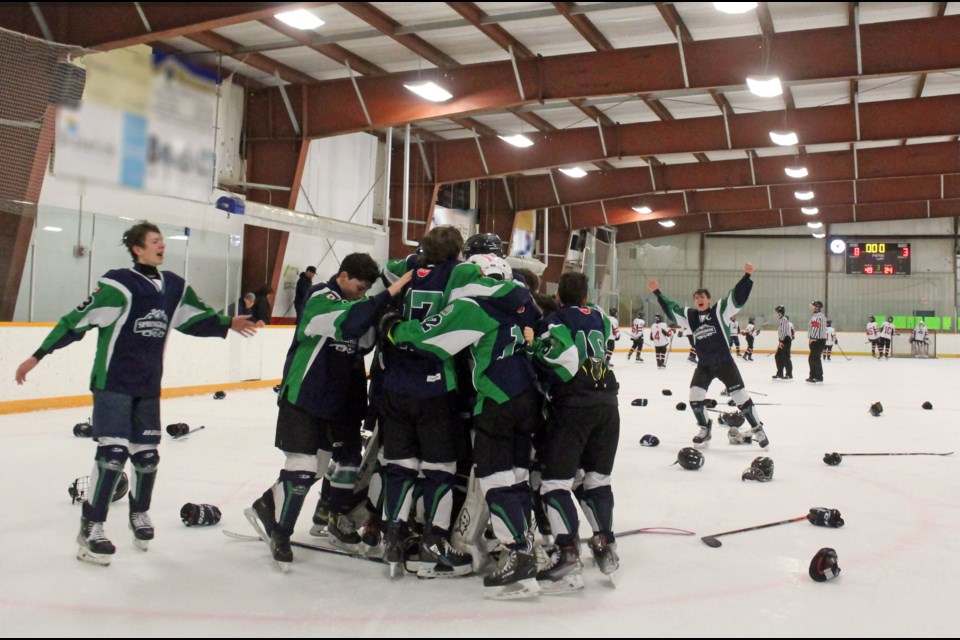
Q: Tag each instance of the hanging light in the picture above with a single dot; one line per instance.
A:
(765, 86)
(784, 138)
(429, 91)
(796, 172)
(642, 209)
(803, 195)
(814, 225)
(667, 223)
(819, 235)
(574, 172)
(518, 140)
(810, 211)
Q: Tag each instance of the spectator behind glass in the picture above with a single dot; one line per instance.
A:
(263, 303)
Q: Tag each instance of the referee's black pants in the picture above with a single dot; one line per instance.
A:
(816, 364)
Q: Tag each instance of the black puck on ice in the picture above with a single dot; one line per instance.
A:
(639, 402)
(681, 406)
(667, 392)
(927, 405)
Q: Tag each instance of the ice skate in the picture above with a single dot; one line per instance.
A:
(142, 529)
(515, 576)
(343, 534)
(563, 571)
(94, 545)
(704, 434)
(438, 559)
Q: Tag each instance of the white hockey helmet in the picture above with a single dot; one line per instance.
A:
(492, 266)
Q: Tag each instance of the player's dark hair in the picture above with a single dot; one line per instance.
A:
(360, 266)
(136, 236)
(572, 288)
(441, 244)
(532, 279)
(705, 292)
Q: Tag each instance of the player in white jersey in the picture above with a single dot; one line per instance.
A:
(887, 331)
(735, 334)
(831, 336)
(920, 341)
(873, 332)
(750, 332)
(636, 334)
(660, 337)
(614, 334)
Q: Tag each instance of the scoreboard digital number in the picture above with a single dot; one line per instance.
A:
(878, 258)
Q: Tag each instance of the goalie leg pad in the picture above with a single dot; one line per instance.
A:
(107, 470)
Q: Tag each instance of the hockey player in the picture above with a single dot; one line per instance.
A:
(710, 325)
(582, 432)
(817, 339)
(873, 333)
(784, 342)
(322, 400)
(885, 339)
(660, 336)
(920, 341)
(735, 334)
(491, 325)
(614, 334)
(134, 310)
(423, 432)
(750, 332)
(636, 335)
(831, 340)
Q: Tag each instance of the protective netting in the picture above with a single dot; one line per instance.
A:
(36, 76)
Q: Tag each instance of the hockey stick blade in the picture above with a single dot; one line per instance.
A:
(711, 541)
(949, 453)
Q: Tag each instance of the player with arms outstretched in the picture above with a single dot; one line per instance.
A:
(710, 326)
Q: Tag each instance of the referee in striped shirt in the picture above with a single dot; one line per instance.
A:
(817, 334)
(785, 339)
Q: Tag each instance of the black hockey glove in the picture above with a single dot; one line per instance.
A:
(199, 515)
(389, 320)
(823, 517)
(824, 565)
(832, 459)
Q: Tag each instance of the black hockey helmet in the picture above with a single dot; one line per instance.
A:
(871, 319)
(613, 311)
(817, 303)
(829, 323)
(751, 320)
(764, 464)
(658, 318)
(483, 243)
(889, 318)
(780, 308)
(690, 459)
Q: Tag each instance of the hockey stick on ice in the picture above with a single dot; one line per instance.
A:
(837, 345)
(711, 541)
(833, 459)
(189, 432)
(667, 531)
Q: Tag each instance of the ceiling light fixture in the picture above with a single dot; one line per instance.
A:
(176, 237)
(667, 223)
(574, 172)
(300, 19)
(52, 229)
(810, 211)
(518, 140)
(814, 225)
(429, 91)
(803, 195)
(796, 172)
(734, 7)
(784, 138)
(819, 235)
(644, 209)
(765, 86)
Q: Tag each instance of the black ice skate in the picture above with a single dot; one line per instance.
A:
(94, 545)
(605, 554)
(321, 518)
(438, 559)
(761, 436)
(142, 529)
(704, 434)
(281, 551)
(393, 548)
(343, 533)
(514, 577)
(563, 571)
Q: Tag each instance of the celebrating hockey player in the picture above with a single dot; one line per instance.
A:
(710, 325)
(322, 400)
(134, 310)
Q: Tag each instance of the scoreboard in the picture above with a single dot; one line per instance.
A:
(878, 258)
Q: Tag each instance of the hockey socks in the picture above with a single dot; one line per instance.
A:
(107, 469)
(399, 481)
(294, 486)
(597, 505)
(561, 513)
(145, 467)
(438, 495)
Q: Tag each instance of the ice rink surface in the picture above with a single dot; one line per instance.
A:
(899, 551)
